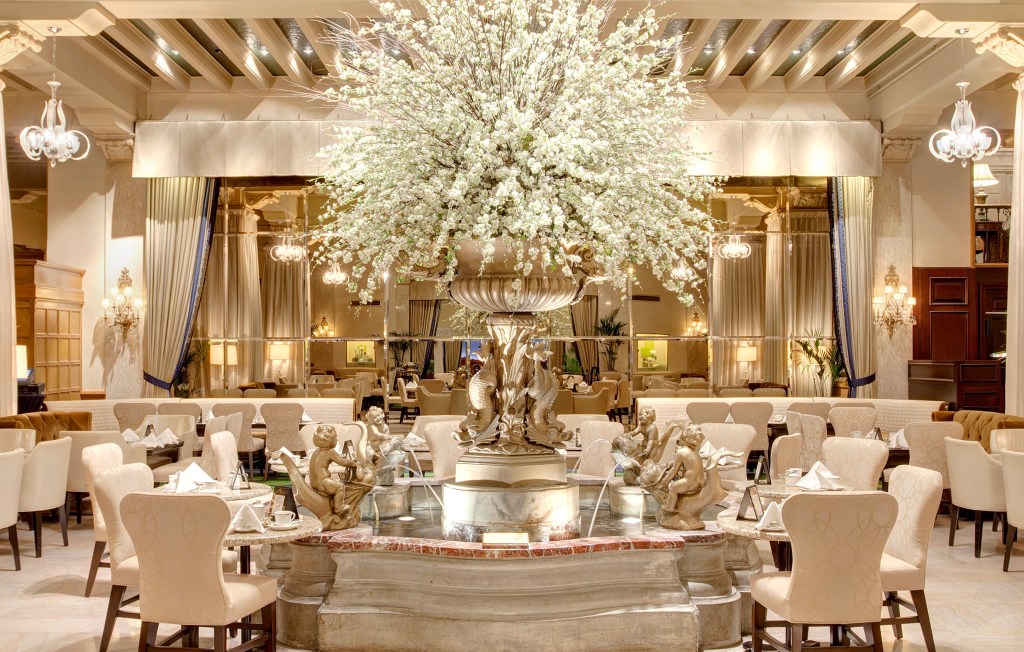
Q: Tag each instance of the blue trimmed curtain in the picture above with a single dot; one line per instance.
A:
(179, 231)
(853, 267)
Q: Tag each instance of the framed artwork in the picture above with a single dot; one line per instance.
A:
(360, 354)
(652, 355)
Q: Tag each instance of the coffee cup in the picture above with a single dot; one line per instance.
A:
(793, 476)
(209, 486)
(283, 518)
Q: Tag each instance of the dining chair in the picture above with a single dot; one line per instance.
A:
(246, 443)
(283, 421)
(444, 450)
(225, 455)
(610, 385)
(187, 408)
(11, 463)
(258, 392)
(592, 403)
(435, 385)
(976, 483)
(1013, 483)
(735, 392)
(905, 558)
(302, 393)
(76, 486)
(563, 402)
(857, 462)
(785, 455)
(817, 408)
(735, 437)
(770, 392)
(794, 423)
(97, 460)
(755, 414)
(234, 392)
(231, 423)
(43, 479)
(183, 427)
(623, 400)
(927, 443)
(14, 438)
(408, 403)
(701, 412)
(460, 401)
(433, 404)
(836, 580)
(595, 438)
(130, 415)
(610, 375)
(814, 433)
(848, 420)
(1002, 440)
(338, 392)
(685, 392)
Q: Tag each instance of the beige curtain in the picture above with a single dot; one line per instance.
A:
(8, 328)
(1015, 293)
(737, 314)
(775, 343)
(285, 318)
(179, 221)
(584, 322)
(421, 314)
(811, 283)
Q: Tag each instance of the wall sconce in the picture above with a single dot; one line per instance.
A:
(122, 307)
(697, 327)
(895, 308)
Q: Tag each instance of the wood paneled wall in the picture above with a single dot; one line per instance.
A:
(951, 304)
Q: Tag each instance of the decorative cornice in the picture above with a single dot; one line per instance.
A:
(1007, 43)
(117, 149)
(14, 41)
(898, 149)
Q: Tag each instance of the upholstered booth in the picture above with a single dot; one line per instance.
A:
(48, 425)
(978, 425)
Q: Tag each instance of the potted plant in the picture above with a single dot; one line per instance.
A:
(824, 359)
(611, 326)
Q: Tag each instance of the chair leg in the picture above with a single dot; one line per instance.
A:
(147, 636)
(921, 607)
(12, 534)
(1010, 534)
(97, 556)
(268, 616)
(874, 632)
(62, 513)
(37, 519)
(995, 521)
(978, 527)
(114, 604)
(757, 624)
(954, 513)
(220, 639)
(797, 636)
(78, 508)
(894, 612)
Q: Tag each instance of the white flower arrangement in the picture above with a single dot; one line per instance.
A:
(512, 120)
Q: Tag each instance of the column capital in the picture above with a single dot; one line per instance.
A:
(14, 41)
(1007, 43)
(117, 149)
(897, 148)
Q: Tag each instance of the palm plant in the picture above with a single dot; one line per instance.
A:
(610, 326)
(823, 358)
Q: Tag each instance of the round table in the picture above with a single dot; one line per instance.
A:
(782, 550)
(254, 490)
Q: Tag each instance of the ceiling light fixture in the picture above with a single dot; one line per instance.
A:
(751, 51)
(334, 275)
(733, 248)
(51, 138)
(964, 140)
(287, 251)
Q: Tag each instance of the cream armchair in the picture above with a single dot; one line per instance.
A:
(225, 455)
(182, 425)
(826, 586)
(905, 559)
(857, 462)
(43, 479)
(433, 404)
(408, 403)
(1002, 440)
(231, 423)
(785, 455)
(814, 433)
(97, 460)
(975, 482)
(1013, 482)
(184, 408)
(927, 443)
(592, 403)
(847, 420)
(806, 407)
(11, 463)
(755, 414)
(701, 412)
(736, 437)
(130, 415)
(596, 439)
(246, 442)
(14, 438)
(283, 421)
(444, 450)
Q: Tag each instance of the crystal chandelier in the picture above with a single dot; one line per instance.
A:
(896, 307)
(51, 138)
(322, 328)
(733, 248)
(334, 275)
(122, 308)
(684, 273)
(963, 140)
(287, 251)
(697, 327)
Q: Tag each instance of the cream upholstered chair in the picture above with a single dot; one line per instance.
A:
(814, 432)
(785, 455)
(848, 420)
(735, 392)
(233, 392)
(43, 479)
(755, 414)
(707, 412)
(11, 463)
(96, 460)
(597, 403)
(975, 482)
(668, 393)
(257, 392)
(623, 400)
(771, 392)
(14, 438)
(188, 408)
(434, 385)
(905, 558)
(225, 455)
(836, 579)
(432, 404)
(736, 437)
(448, 377)
(794, 423)
(818, 409)
(857, 462)
(1003, 440)
(408, 403)
(283, 421)
(685, 392)
(610, 375)
(612, 387)
(231, 423)
(927, 443)
(130, 415)
(460, 401)
(129, 454)
(444, 450)
(338, 392)
(1013, 482)
(321, 378)
(596, 439)
(81, 440)
(563, 402)
(302, 393)
(246, 443)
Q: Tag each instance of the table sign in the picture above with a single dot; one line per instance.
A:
(758, 470)
(751, 501)
(239, 479)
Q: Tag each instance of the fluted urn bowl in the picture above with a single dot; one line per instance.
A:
(491, 287)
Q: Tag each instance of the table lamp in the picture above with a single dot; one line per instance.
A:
(279, 352)
(983, 178)
(746, 354)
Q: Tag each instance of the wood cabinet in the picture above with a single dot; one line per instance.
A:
(960, 312)
(965, 385)
(48, 309)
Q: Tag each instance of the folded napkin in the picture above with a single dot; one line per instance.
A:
(819, 477)
(772, 518)
(189, 479)
(410, 385)
(168, 438)
(130, 436)
(151, 441)
(246, 520)
(285, 451)
(413, 441)
(706, 449)
(209, 416)
(582, 388)
(306, 417)
(898, 439)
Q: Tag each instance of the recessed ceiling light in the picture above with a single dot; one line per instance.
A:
(841, 52)
(264, 51)
(796, 51)
(751, 51)
(308, 49)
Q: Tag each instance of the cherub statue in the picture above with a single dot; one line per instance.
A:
(377, 448)
(460, 379)
(642, 444)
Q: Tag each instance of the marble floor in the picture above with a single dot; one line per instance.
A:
(974, 605)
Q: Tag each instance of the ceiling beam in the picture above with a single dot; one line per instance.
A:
(319, 36)
(822, 52)
(118, 62)
(139, 45)
(730, 54)
(179, 39)
(910, 56)
(697, 35)
(235, 49)
(791, 36)
(864, 55)
(281, 49)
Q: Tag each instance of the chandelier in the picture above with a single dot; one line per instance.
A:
(51, 138)
(684, 273)
(334, 275)
(733, 248)
(322, 328)
(287, 251)
(963, 140)
(697, 327)
(896, 307)
(122, 308)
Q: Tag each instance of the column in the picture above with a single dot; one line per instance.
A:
(893, 222)
(1015, 291)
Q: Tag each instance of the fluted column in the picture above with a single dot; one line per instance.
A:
(1015, 293)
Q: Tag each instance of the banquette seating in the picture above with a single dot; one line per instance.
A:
(49, 425)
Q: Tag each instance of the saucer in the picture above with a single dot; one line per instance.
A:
(291, 526)
(244, 530)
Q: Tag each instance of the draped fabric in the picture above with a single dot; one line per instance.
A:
(584, 323)
(179, 224)
(737, 314)
(285, 317)
(775, 342)
(1015, 291)
(853, 264)
(450, 355)
(422, 317)
(231, 309)
(811, 287)
(8, 328)
(431, 331)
